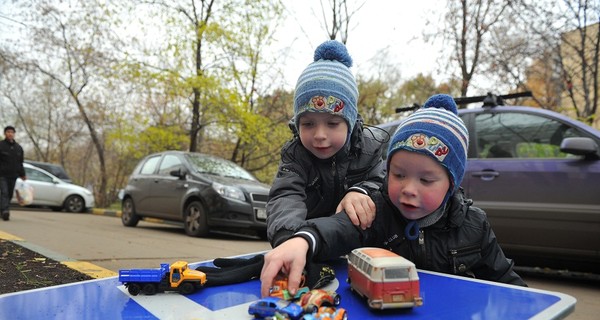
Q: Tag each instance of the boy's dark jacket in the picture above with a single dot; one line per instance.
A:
(461, 242)
(306, 187)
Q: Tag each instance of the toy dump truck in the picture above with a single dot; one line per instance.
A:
(176, 277)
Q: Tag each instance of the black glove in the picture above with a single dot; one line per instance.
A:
(317, 275)
(232, 270)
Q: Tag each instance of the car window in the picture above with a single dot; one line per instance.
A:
(168, 164)
(36, 175)
(217, 166)
(150, 165)
(520, 135)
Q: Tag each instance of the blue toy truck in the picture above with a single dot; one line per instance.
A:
(176, 277)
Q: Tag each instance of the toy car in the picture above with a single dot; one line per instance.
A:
(384, 278)
(267, 307)
(327, 313)
(316, 298)
(280, 289)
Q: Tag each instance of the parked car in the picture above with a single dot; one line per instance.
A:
(204, 192)
(267, 307)
(50, 191)
(535, 172)
(56, 169)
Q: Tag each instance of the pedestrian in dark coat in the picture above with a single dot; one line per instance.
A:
(11, 167)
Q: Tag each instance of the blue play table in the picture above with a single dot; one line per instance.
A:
(444, 297)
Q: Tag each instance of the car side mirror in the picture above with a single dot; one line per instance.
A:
(581, 146)
(179, 173)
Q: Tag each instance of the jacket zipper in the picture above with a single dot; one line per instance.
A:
(335, 178)
(422, 249)
(455, 253)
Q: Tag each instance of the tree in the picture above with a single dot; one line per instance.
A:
(467, 29)
(78, 38)
(567, 33)
(336, 18)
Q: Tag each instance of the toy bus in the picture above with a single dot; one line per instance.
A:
(384, 278)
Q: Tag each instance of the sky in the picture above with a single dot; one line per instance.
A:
(392, 29)
(380, 25)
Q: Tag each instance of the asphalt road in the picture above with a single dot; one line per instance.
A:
(103, 241)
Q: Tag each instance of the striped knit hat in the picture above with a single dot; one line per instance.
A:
(436, 131)
(327, 85)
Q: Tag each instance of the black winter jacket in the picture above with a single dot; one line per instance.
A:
(11, 160)
(462, 242)
(307, 187)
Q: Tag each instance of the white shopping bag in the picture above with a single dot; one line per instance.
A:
(24, 193)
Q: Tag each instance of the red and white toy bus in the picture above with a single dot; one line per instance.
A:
(386, 279)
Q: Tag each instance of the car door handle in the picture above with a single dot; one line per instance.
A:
(486, 175)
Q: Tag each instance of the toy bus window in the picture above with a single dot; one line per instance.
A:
(353, 259)
(396, 273)
(369, 269)
(361, 265)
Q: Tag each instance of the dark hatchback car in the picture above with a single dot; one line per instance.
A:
(202, 191)
(536, 173)
(56, 169)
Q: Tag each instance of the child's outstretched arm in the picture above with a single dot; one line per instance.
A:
(288, 258)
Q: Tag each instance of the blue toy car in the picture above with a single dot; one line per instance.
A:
(266, 307)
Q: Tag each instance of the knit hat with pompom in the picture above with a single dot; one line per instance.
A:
(435, 130)
(327, 85)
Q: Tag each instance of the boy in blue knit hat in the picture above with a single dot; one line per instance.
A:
(332, 163)
(422, 214)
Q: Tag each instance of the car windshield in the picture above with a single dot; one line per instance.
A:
(216, 166)
(283, 303)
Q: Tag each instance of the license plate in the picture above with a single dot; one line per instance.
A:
(261, 213)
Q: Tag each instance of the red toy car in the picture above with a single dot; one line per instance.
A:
(316, 298)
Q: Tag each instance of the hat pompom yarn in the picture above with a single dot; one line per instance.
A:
(333, 50)
(441, 101)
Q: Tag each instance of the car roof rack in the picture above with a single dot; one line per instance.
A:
(492, 100)
(489, 100)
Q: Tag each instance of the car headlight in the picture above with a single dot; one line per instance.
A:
(229, 191)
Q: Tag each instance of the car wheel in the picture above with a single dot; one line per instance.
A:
(195, 220)
(74, 204)
(128, 216)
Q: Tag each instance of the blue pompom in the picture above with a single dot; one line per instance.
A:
(333, 50)
(441, 101)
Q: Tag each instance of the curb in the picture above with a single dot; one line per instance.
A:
(84, 267)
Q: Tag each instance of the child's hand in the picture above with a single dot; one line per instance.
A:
(288, 258)
(359, 207)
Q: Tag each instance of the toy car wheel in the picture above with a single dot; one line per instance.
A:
(313, 309)
(149, 289)
(337, 299)
(186, 288)
(195, 220)
(134, 289)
